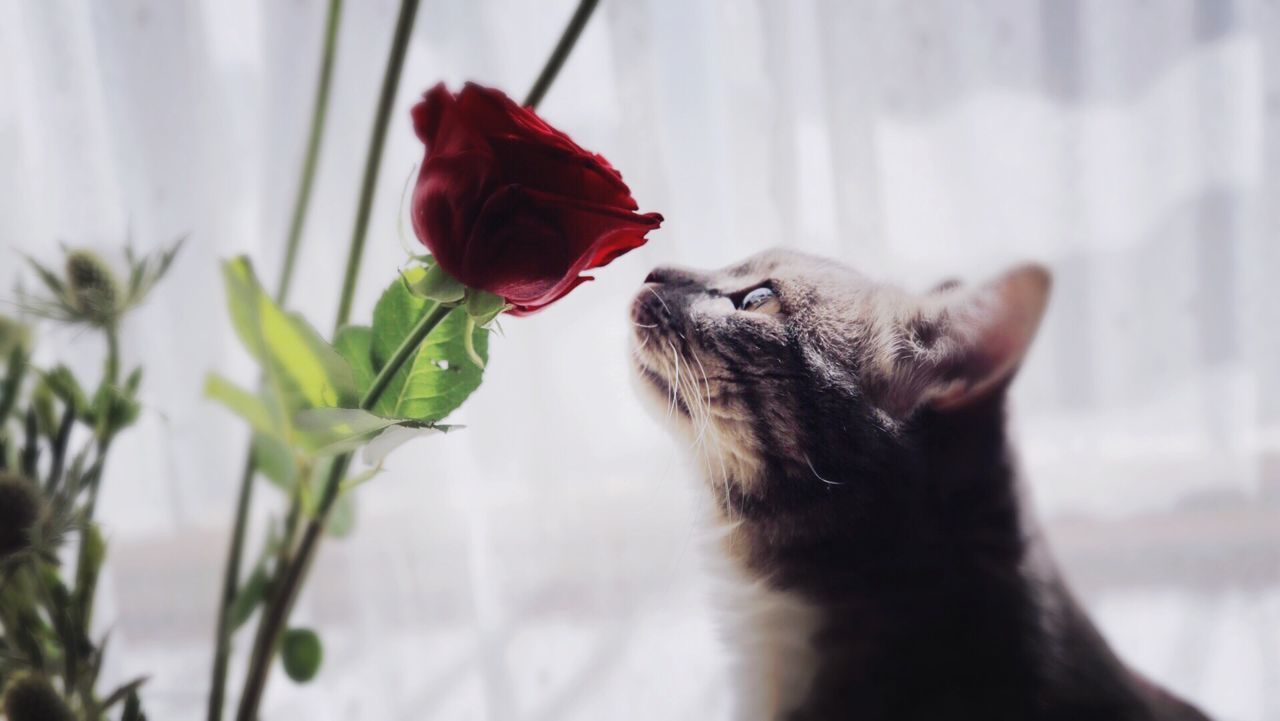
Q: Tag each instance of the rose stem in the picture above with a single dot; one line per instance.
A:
(231, 573)
(283, 596)
(319, 111)
(280, 605)
(372, 161)
(268, 633)
(565, 46)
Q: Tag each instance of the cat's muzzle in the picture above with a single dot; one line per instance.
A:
(649, 310)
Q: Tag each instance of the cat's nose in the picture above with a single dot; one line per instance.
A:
(667, 275)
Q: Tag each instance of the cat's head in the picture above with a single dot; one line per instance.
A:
(790, 371)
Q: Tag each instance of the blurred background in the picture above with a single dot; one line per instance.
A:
(544, 563)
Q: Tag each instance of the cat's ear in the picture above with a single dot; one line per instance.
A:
(988, 331)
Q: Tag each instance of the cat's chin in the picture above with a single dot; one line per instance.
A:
(658, 398)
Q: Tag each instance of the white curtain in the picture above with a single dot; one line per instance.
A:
(543, 564)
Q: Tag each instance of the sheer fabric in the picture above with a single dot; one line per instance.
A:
(544, 563)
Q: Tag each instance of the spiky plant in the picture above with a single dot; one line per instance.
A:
(49, 488)
(19, 512)
(30, 697)
(88, 290)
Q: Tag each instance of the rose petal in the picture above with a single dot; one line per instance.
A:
(442, 127)
(530, 246)
(494, 113)
(554, 170)
(449, 195)
(511, 205)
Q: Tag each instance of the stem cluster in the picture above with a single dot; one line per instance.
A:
(295, 557)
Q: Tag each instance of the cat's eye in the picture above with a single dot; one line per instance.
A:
(761, 300)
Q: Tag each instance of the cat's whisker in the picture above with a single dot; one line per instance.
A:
(818, 475)
(706, 383)
(695, 407)
(675, 361)
(658, 295)
(703, 409)
(671, 387)
(813, 358)
(705, 405)
(686, 388)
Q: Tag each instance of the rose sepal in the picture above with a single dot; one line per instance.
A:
(435, 284)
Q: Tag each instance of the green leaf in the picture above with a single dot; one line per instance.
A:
(134, 380)
(354, 342)
(435, 284)
(15, 370)
(94, 552)
(132, 708)
(342, 517)
(127, 691)
(440, 375)
(275, 460)
(301, 652)
(42, 402)
(113, 409)
(146, 271)
(52, 281)
(330, 431)
(364, 476)
(247, 599)
(377, 449)
(13, 334)
(244, 404)
(65, 386)
(302, 370)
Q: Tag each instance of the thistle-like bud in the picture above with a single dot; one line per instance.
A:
(92, 287)
(19, 511)
(30, 697)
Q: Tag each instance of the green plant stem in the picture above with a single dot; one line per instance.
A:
(289, 581)
(82, 598)
(285, 591)
(319, 111)
(402, 353)
(111, 374)
(235, 554)
(230, 588)
(565, 46)
(69, 655)
(373, 159)
(280, 600)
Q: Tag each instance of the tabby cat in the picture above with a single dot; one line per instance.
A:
(867, 501)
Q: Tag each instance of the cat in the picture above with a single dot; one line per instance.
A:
(867, 500)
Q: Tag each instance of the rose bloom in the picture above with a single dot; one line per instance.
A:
(509, 204)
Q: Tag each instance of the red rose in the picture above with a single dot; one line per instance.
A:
(509, 204)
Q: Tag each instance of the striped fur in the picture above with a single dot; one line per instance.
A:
(877, 558)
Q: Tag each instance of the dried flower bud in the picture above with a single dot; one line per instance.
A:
(19, 511)
(92, 286)
(29, 697)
